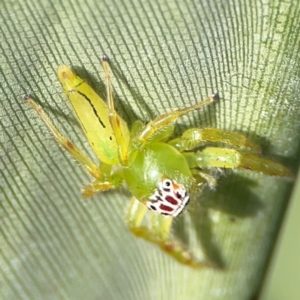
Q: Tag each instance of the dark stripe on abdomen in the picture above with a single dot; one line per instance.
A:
(93, 107)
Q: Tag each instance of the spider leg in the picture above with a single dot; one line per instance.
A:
(169, 118)
(212, 157)
(196, 137)
(158, 233)
(96, 186)
(87, 164)
(111, 179)
(118, 125)
(203, 177)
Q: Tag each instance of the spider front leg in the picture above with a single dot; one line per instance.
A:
(99, 184)
(87, 164)
(158, 232)
(212, 157)
(167, 119)
(111, 179)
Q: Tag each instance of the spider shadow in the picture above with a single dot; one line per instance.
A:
(133, 91)
(291, 163)
(232, 197)
(144, 106)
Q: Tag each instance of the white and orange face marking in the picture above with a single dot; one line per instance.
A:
(169, 199)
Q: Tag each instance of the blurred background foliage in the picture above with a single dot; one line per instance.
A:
(282, 278)
(165, 54)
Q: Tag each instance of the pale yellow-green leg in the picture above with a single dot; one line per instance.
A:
(114, 118)
(195, 137)
(111, 180)
(89, 166)
(212, 157)
(202, 177)
(96, 186)
(168, 118)
(158, 233)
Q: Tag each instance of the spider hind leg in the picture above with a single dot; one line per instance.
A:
(157, 230)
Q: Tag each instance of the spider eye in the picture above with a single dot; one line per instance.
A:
(167, 182)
